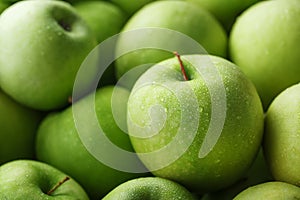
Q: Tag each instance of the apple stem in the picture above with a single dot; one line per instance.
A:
(58, 185)
(181, 66)
(70, 100)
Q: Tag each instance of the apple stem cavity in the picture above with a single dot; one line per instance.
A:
(64, 25)
(181, 66)
(58, 185)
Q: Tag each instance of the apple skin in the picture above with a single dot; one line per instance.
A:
(149, 188)
(270, 191)
(18, 127)
(43, 44)
(225, 11)
(264, 43)
(132, 7)
(104, 18)
(28, 179)
(281, 139)
(237, 145)
(59, 144)
(257, 174)
(179, 16)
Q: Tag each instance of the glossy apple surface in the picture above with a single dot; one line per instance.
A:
(169, 117)
(281, 139)
(27, 179)
(59, 144)
(132, 7)
(149, 188)
(271, 191)
(264, 42)
(43, 44)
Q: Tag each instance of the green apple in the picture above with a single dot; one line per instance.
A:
(18, 127)
(43, 44)
(149, 188)
(203, 133)
(225, 11)
(59, 143)
(132, 7)
(281, 139)
(176, 16)
(264, 43)
(104, 18)
(270, 191)
(258, 173)
(28, 179)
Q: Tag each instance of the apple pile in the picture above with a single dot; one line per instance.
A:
(176, 99)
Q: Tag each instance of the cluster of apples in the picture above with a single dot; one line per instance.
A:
(165, 99)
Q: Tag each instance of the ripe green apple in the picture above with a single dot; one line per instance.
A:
(281, 139)
(28, 179)
(59, 143)
(258, 173)
(225, 11)
(203, 133)
(270, 191)
(149, 188)
(43, 44)
(178, 16)
(132, 7)
(18, 127)
(104, 18)
(264, 42)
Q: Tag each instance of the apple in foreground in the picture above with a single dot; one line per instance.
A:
(203, 131)
(176, 16)
(149, 188)
(43, 44)
(264, 42)
(59, 142)
(270, 191)
(28, 179)
(281, 138)
(18, 127)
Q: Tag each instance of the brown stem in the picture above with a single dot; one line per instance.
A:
(58, 185)
(181, 66)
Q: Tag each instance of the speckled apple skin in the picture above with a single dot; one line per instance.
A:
(240, 138)
(149, 188)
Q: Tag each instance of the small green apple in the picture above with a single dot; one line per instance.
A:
(270, 191)
(178, 16)
(282, 136)
(149, 188)
(225, 11)
(28, 179)
(131, 7)
(43, 44)
(18, 127)
(104, 18)
(203, 133)
(264, 42)
(58, 142)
